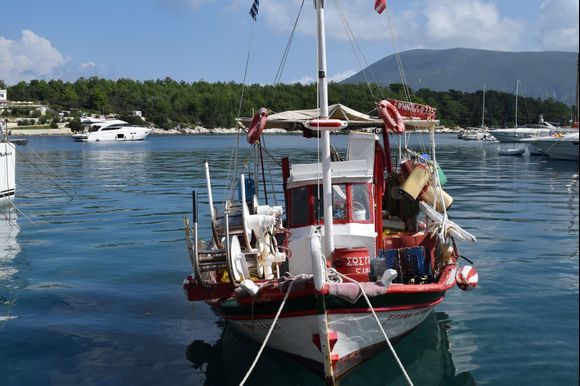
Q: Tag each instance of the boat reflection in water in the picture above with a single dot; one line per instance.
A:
(424, 352)
(9, 248)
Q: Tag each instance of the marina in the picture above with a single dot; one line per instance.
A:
(112, 298)
(365, 218)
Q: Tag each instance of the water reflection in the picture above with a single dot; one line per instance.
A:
(9, 248)
(424, 353)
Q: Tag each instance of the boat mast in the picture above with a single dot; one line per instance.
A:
(320, 277)
(323, 105)
(483, 108)
(517, 86)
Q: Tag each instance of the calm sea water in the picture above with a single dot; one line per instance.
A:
(90, 294)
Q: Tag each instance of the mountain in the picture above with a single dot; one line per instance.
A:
(547, 74)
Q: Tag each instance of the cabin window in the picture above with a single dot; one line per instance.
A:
(361, 208)
(350, 203)
(300, 206)
(339, 202)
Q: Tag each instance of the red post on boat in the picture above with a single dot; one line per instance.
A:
(387, 146)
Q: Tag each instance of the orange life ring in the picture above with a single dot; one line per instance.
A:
(258, 125)
(391, 116)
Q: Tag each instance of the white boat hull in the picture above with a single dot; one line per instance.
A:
(566, 150)
(519, 134)
(7, 172)
(124, 134)
(357, 334)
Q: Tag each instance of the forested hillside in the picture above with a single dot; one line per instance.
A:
(168, 104)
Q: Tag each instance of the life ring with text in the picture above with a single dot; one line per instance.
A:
(391, 116)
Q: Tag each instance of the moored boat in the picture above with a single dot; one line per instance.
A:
(7, 167)
(512, 151)
(358, 256)
(97, 130)
(559, 146)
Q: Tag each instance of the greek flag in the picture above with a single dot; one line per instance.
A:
(254, 9)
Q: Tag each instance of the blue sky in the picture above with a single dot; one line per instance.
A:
(191, 40)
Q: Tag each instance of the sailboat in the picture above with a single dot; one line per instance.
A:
(7, 167)
(519, 133)
(478, 133)
(360, 254)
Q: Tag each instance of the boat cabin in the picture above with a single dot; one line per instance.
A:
(354, 209)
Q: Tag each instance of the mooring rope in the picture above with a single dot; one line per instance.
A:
(267, 335)
(378, 323)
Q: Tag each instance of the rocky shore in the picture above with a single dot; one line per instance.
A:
(156, 131)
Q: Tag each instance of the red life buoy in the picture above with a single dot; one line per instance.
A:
(258, 125)
(391, 116)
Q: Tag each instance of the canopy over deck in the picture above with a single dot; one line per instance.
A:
(295, 119)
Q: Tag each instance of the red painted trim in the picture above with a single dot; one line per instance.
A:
(384, 309)
(294, 314)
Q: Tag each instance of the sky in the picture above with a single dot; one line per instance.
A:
(212, 40)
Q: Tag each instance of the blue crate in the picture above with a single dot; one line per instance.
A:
(413, 261)
(408, 262)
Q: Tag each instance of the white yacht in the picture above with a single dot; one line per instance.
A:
(562, 146)
(517, 134)
(110, 130)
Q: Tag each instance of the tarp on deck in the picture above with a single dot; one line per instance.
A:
(295, 119)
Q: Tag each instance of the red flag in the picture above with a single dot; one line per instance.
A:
(380, 6)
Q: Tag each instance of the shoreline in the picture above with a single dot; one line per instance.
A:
(65, 131)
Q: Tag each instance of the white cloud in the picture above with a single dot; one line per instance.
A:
(341, 76)
(558, 25)
(306, 79)
(472, 23)
(31, 57)
(417, 24)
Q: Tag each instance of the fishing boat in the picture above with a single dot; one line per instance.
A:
(7, 167)
(361, 251)
(96, 130)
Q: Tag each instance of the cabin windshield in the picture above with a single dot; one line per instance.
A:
(350, 203)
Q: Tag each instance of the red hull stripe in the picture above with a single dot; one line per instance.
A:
(333, 311)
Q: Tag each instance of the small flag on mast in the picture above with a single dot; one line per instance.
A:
(380, 6)
(254, 9)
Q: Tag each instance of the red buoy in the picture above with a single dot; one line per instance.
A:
(466, 278)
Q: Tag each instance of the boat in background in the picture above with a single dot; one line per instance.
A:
(562, 145)
(360, 254)
(518, 133)
(512, 151)
(478, 133)
(559, 146)
(7, 167)
(534, 130)
(96, 130)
